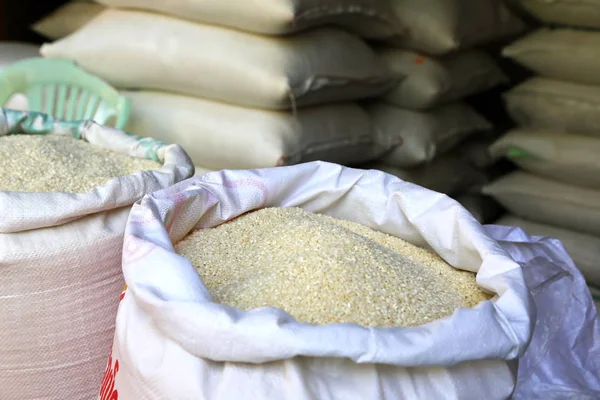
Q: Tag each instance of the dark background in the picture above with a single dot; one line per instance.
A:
(17, 15)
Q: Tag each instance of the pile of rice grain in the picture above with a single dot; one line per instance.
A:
(322, 270)
(52, 163)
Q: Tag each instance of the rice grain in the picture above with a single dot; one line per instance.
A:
(52, 163)
(322, 270)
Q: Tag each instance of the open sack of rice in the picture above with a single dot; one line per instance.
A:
(65, 194)
(315, 282)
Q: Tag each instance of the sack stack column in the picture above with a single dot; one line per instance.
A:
(438, 140)
(238, 86)
(556, 145)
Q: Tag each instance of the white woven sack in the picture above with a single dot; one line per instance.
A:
(441, 26)
(583, 249)
(562, 54)
(572, 159)
(427, 82)
(595, 292)
(562, 361)
(173, 342)
(548, 202)
(67, 19)
(11, 52)
(418, 137)
(545, 104)
(219, 135)
(134, 50)
(578, 13)
(369, 18)
(448, 174)
(60, 272)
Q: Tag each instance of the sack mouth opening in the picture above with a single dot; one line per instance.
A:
(188, 313)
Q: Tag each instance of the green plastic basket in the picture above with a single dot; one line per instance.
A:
(59, 88)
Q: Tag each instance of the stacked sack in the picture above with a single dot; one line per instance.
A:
(424, 118)
(61, 252)
(557, 191)
(237, 85)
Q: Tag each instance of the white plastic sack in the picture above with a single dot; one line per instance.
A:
(60, 268)
(578, 13)
(548, 202)
(11, 52)
(172, 342)
(583, 249)
(596, 296)
(417, 137)
(141, 50)
(448, 174)
(427, 82)
(441, 26)
(563, 359)
(67, 19)
(369, 18)
(562, 54)
(219, 135)
(545, 104)
(572, 159)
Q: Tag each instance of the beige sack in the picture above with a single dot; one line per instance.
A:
(370, 18)
(441, 26)
(67, 19)
(427, 82)
(579, 13)
(548, 202)
(220, 136)
(418, 137)
(447, 174)
(202, 170)
(134, 50)
(572, 159)
(61, 273)
(562, 54)
(545, 104)
(583, 249)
